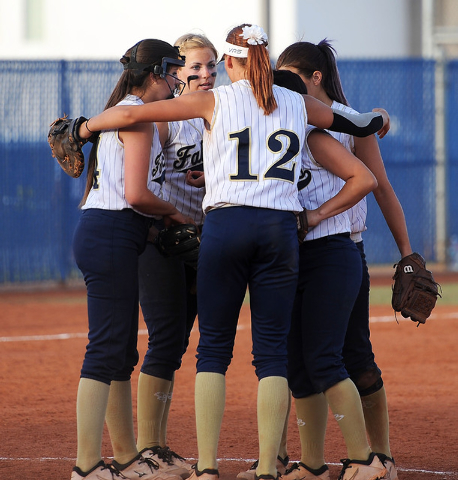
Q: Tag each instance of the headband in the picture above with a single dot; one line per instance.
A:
(235, 50)
(254, 35)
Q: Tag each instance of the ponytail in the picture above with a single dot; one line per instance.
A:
(331, 81)
(261, 77)
(307, 58)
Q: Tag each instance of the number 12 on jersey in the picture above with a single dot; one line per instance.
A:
(284, 142)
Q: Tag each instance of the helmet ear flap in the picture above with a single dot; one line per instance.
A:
(158, 70)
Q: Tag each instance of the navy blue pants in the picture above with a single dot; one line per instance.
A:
(106, 246)
(240, 247)
(329, 281)
(357, 351)
(169, 308)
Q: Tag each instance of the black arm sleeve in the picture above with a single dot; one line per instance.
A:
(359, 125)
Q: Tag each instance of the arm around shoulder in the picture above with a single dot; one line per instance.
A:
(359, 125)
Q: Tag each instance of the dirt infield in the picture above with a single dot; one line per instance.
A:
(43, 338)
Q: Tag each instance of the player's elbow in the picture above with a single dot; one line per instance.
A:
(135, 199)
(370, 181)
(128, 117)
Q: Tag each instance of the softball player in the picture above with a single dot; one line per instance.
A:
(167, 286)
(252, 144)
(329, 265)
(317, 67)
(120, 198)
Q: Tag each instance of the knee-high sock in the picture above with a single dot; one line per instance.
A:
(165, 416)
(210, 399)
(91, 405)
(272, 407)
(345, 403)
(120, 422)
(283, 450)
(312, 418)
(152, 398)
(375, 410)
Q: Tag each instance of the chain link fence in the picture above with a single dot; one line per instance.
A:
(39, 203)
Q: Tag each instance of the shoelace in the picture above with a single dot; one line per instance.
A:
(294, 466)
(346, 463)
(152, 464)
(165, 454)
(174, 454)
(114, 471)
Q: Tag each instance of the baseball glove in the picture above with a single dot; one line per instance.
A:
(414, 291)
(180, 241)
(66, 145)
(302, 225)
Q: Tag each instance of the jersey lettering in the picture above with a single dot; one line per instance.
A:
(185, 160)
(158, 170)
(304, 179)
(95, 175)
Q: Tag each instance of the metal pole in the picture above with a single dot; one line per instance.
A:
(427, 20)
(265, 19)
(431, 49)
(441, 159)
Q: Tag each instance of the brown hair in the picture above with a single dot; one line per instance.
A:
(307, 58)
(258, 69)
(144, 55)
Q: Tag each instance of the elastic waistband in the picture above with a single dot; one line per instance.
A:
(323, 240)
(124, 213)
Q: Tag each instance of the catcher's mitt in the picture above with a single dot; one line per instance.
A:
(180, 241)
(414, 291)
(302, 225)
(66, 145)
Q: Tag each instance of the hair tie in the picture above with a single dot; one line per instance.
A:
(87, 128)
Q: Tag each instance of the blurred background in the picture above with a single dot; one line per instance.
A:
(62, 57)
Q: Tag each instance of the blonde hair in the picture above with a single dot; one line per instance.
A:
(192, 41)
(258, 68)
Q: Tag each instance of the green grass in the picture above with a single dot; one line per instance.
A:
(382, 295)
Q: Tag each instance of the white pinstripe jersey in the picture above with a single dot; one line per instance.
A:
(316, 186)
(358, 212)
(250, 158)
(108, 189)
(183, 151)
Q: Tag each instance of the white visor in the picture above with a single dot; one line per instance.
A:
(235, 50)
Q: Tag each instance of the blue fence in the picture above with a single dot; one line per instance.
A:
(38, 208)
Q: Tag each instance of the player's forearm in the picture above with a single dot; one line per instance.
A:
(393, 213)
(354, 190)
(359, 125)
(148, 203)
(113, 118)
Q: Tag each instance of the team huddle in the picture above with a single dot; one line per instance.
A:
(266, 179)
